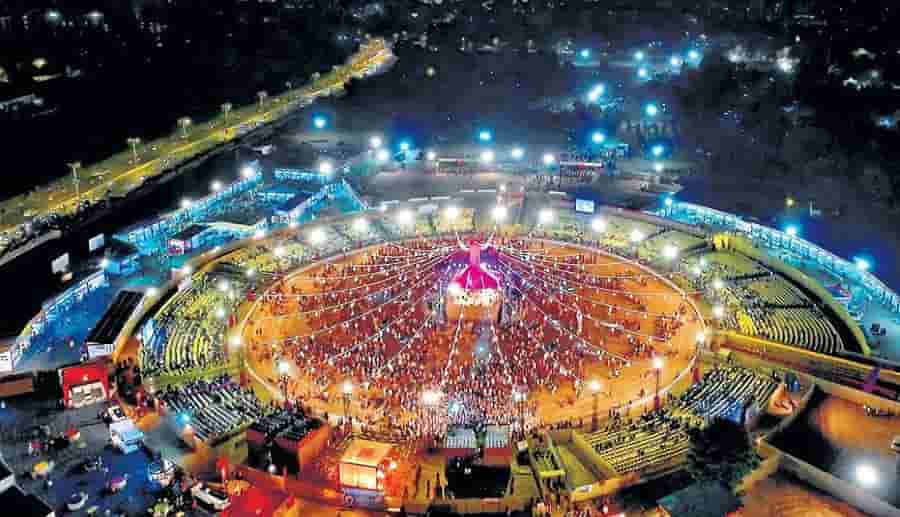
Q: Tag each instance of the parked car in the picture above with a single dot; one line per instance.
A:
(215, 499)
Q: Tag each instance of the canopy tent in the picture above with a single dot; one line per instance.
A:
(474, 276)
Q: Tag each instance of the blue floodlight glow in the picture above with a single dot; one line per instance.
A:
(651, 110)
(598, 137)
(517, 153)
(320, 122)
(791, 230)
(863, 264)
(693, 55)
(675, 61)
(596, 92)
(657, 150)
(669, 201)
(642, 73)
(485, 135)
(638, 56)
(585, 53)
(404, 146)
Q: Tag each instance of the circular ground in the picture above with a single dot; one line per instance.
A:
(577, 331)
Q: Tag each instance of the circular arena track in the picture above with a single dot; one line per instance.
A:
(389, 334)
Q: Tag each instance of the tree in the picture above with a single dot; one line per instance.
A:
(721, 452)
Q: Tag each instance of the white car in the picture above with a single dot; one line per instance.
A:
(215, 499)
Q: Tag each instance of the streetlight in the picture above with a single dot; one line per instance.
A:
(215, 186)
(185, 202)
(431, 156)
(719, 312)
(375, 142)
(361, 225)
(863, 264)
(636, 236)
(325, 168)
(598, 224)
(693, 55)
(247, 172)
(675, 61)
(317, 236)
(657, 367)
(382, 155)
(405, 218)
(404, 146)
(651, 110)
(485, 136)
(598, 137)
(134, 142)
(658, 167)
(642, 72)
(791, 231)
(595, 387)
(549, 159)
(657, 150)
(639, 56)
(319, 122)
(585, 53)
(596, 92)
(262, 96)
(452, 212)
(487, 156)
(517, 153)
(184, 123)
(74, 166)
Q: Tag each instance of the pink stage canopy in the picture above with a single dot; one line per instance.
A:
(474, 276)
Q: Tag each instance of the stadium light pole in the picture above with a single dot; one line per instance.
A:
(595, 392)
(347, 392)
(657, 367)
(134, 142)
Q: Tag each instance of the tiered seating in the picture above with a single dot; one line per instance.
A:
(214, 409)
(656, 440)
(651, 249)
(189, 329)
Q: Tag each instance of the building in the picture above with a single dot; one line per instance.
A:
(361, 465)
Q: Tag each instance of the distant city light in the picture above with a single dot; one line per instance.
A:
(651, 110)
(487, 156)
(598, 137)
(320, 122)
(638, 56)
(485, 136)
(657, 150)
(517, 153)
(375, 142)
(549, 159)
(791, 231)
